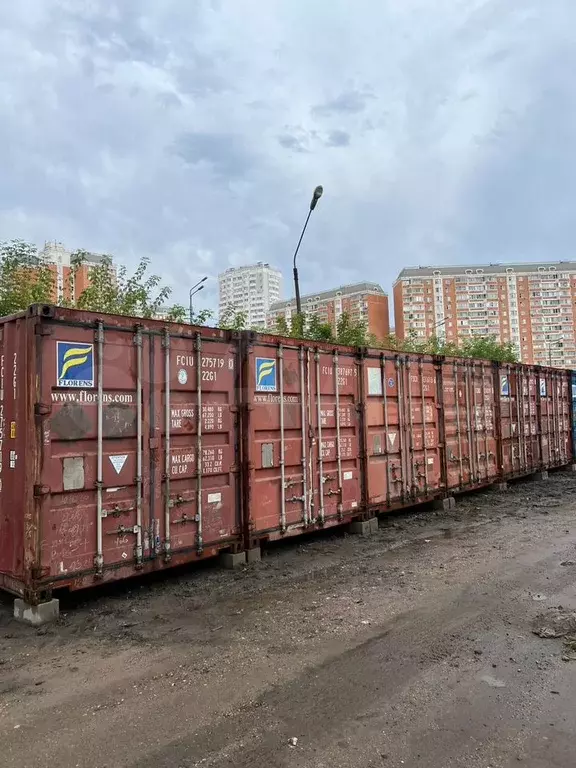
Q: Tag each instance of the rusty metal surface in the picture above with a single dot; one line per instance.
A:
(129, 446)
(110, 482)
(402, 432)
(304, 436)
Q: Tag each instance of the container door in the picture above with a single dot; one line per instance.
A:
(385, 459)
(302, 438)
(402, 435)
(458, 393)
(120, 476)
(196, 465)
(279, 444)
(335, 424)
(93, 394)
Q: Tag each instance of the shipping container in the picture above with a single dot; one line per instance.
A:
(119, 448)
(303, 436)
(130, 445)
(402, 429)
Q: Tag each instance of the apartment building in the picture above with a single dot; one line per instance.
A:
(251, 290)
(532, 305)
(362, 302)
(58, 258)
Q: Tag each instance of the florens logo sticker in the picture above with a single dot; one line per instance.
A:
(74, 364)
(265, 374)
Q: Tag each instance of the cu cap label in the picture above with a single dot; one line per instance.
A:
(74, 364)
(265, 374)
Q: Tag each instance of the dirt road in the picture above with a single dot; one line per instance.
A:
(410, 648)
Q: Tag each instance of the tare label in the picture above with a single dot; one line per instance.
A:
(183, 417)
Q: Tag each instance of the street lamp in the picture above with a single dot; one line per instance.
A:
(193, 291)
(313, 203)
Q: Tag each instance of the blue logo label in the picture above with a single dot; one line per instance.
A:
(74, 364)
(504, 386)
(542, 387)
(391, 383)
(265, 374)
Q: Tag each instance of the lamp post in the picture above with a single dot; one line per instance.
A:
(193, 291)
(313, 203)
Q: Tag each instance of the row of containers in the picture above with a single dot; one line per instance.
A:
(128, 446)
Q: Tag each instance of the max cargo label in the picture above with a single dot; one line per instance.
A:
(183, 462)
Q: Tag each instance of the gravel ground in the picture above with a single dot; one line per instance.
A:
(417, 646)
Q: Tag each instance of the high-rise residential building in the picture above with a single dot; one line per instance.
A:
(361, 302)
(58, 258)
(250, 290)
(531, 305)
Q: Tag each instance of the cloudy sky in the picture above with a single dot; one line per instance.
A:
(194, 131)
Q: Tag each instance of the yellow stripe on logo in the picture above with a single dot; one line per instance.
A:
(265, 370)
(74, 357)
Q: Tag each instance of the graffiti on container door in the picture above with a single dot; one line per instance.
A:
(184, 462)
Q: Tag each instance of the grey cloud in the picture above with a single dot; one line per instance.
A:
(288, 141)
(226, 153)
(176, 129)
(338, 139)
(349, 102)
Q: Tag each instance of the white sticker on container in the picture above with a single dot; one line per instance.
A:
(214, 498)
(431, 460)
(118, 462)
(182, 376)
(354, 504)
(348, 475)
(13, 457)
(374, 381)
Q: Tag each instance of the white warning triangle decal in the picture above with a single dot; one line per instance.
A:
(118, 462)
(392, 438)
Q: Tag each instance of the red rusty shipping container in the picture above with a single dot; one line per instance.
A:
(303, 436)
(131, 445)
(404, 458)
(119, 447)
(535, 418)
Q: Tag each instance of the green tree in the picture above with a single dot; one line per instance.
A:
(112, 290)
(479, 347)
(24, 277)
(233, 320)
(179, 314)
(352, 334)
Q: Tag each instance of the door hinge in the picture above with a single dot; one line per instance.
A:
(41, 490)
